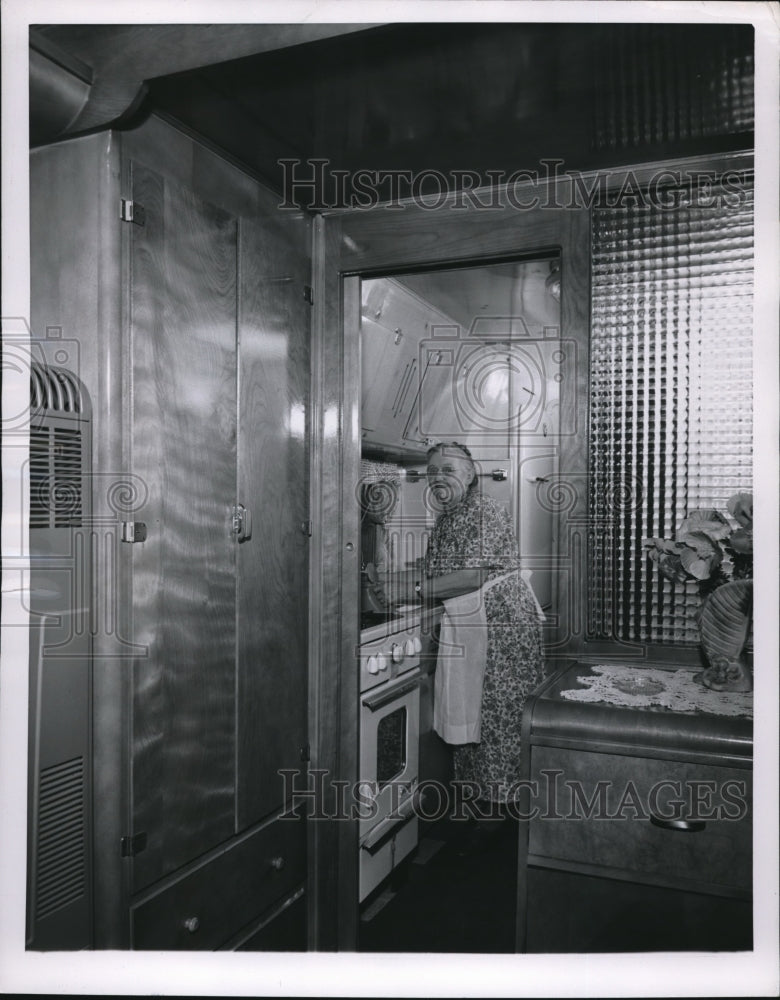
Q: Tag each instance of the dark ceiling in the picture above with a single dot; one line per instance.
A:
(472, 97)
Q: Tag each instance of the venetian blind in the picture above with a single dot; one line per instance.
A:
(671, 395)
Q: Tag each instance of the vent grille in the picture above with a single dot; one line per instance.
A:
(54, 389)
(56, 499)
(66, 488)
(61, 876)
(39, 477)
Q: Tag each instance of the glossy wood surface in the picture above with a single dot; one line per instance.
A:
(76, 287)
(334, 600)
(588, 743)
(210, 904)
(184, 450)
(273, 483)
(718, 856)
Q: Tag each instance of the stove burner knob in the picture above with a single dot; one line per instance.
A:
(417, 644)
(382, 661)
(398, 653)
(409, 647)
(373, 665)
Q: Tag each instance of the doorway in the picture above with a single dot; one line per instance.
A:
(472, 354)
(352, 249)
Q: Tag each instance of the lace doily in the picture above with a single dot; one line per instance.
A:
(646, 687)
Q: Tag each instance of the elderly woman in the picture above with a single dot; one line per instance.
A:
(473, 548)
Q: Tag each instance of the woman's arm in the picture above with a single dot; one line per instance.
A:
(400, 587)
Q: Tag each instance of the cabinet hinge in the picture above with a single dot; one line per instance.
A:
(308, 294)
(133, 531)
(132, 211)
(306, 528)
(305, 754)
(130, 846)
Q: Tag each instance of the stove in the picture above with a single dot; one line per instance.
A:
(389, 663)
(371, 618)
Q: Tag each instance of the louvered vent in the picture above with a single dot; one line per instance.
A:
(54, 389)
(61, 862)
(56, 452)
(39, 477)
(66, 486)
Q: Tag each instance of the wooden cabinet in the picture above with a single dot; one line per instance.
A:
(184, 287)
(638, 831)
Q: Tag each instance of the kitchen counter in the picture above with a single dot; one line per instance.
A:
(637, 833)
(408, 617)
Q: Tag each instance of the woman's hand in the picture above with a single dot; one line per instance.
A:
(400, 587)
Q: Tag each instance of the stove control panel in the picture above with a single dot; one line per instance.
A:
(389, 656)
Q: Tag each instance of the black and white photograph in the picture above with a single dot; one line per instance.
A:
(390, 499)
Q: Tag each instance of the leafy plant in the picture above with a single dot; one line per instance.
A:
(708, 548)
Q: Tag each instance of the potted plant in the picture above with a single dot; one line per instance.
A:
(719, 556)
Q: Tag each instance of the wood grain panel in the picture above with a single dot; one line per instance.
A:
(718, 856)
(393, 239)
(225, 894)
(184, 447)
(273, 482)
(334, 612)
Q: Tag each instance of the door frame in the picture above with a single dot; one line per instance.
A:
(347, 246)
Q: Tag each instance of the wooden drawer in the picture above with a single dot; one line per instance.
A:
(284, 931)
(714, 849)
(208, 906)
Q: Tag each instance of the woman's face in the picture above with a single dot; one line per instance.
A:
(450, 473)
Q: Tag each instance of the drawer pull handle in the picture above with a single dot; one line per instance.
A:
(687, 825)
(192, 924)
(277, 863)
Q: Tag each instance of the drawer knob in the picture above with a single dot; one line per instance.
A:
(277, 863)
(192, 924)
(686, 825)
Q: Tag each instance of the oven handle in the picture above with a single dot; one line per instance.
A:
(380, 835)
(377, 701)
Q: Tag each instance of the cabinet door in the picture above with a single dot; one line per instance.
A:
(183, 448)
(273, 564)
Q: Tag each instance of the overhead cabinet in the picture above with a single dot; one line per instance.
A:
(194, 348)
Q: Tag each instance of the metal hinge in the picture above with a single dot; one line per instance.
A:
(133, 531)
(132, 211)
(308, 294)
(306, 528)
(305, 754)
(130, 846)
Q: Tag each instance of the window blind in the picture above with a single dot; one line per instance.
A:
(670, 396)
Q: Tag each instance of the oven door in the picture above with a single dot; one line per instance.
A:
(389, 749)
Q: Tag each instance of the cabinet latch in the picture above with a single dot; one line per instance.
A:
(132, 211)
(130, 846)
(241, 523)
(133, 531)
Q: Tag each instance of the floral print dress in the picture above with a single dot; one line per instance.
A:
(476, 534)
